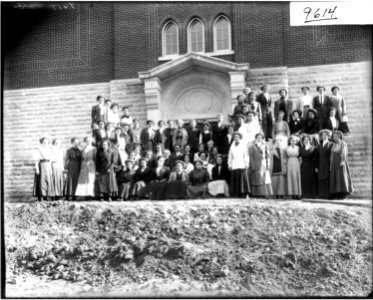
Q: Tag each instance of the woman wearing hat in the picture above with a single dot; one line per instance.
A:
(311, 126)
(125, 180)
(158, 180)
(87, 175)
(220, 178)
(278, 170)
(198, 180)
(141, 180)
(308, 168)
(177, 183)
(106, 180)
(43, 184)
(281, 129)
(293, 177)
(296, 123)
(321, 103)
(260, 180)
(323, 163)
(339, 103)
(305, 101)
(340, 179)
(238, 164)
(267, 114)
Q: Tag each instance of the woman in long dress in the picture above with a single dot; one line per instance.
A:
(238, 164)
(57, 168)
(125, 180)
(340, 179)
(43, 184)
(308, 168)
(260, 181)
(293, 177)
(267, 111)
(141, 180)
(106, 180)
(220, 178)
(278, 170)
(177, 184)
(323, 164)
(73, 162)
(87, 176)
(281, 129)
(159, 180)
(198, 180)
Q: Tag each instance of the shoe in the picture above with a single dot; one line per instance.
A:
(247, 197)
(109, 199)
(102, 199)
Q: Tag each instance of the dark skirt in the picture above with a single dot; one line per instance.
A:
(107, 183)
(176, 190)
(197, 191)
(308, 180)
(125, 190)
(157, 190)
(279, 185)
(43, 183)
(239, 183)
(57, 174)
(323, 188)
(340, 179)
(72, 180)
(140, 189)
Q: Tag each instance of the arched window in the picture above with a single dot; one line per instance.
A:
(170, 39)
(222, 34)
(196, 36)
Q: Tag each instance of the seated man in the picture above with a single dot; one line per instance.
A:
(198, 180)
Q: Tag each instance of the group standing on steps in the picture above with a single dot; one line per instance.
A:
(266, 149)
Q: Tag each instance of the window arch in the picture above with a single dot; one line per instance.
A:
(222, 34)
(170, 39)
(196, 36)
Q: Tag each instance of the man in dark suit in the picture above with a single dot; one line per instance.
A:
(322, 104)
(147, 136)
(284, 105)
(98, 110)
(219, 131)
(227, 141)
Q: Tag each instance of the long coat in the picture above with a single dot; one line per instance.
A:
(259, 164)
(267, 114)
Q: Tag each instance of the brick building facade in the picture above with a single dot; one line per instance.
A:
(57, 61)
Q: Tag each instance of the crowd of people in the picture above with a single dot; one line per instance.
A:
(271, 149)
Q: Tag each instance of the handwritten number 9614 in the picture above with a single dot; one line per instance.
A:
(325, 15)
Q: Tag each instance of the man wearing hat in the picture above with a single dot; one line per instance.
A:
(322, 104)
(305, 101)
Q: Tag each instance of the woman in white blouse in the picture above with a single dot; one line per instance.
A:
(238, 164)
(305, 101)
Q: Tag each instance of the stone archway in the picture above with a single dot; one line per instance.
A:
(193, 86)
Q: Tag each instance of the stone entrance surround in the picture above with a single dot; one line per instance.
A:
(193, 86)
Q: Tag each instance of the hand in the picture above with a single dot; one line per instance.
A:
(108, 171)
(37, 172)
(342, 163)
(316, 170)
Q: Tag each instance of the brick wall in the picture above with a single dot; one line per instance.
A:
(99, 42)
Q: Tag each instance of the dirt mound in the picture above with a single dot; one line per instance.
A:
(198, 248)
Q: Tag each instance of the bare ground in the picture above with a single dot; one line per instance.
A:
(197, 248)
